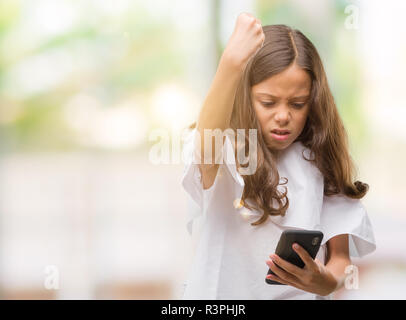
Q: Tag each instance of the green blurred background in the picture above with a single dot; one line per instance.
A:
(84, 83)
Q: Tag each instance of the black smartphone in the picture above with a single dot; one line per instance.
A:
(310, 240)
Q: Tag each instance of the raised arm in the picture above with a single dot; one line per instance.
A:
(245, 41)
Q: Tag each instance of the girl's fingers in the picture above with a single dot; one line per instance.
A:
(259, 23)
(289, 267)
(304, 255)
(279, 272)
(275, 278)
(279, 279)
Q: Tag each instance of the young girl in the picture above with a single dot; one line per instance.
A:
(272, 79)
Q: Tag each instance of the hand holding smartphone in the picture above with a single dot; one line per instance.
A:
(310, 240)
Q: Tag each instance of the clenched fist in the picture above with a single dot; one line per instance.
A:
(245, 41)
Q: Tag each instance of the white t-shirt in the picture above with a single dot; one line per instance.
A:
(230, 254)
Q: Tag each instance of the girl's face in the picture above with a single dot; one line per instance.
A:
(281, 105)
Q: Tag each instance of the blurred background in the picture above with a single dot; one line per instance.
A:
(86, 214)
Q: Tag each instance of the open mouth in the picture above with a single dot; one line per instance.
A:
(280, 134)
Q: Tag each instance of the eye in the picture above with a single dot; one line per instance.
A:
(267, 103)
(298, 105)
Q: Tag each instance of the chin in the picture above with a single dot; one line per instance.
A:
(279, 147)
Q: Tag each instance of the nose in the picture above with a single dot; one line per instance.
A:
(282, 115)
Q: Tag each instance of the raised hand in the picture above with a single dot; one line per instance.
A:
(245, 41)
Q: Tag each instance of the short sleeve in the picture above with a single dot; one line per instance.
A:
(343, 215)
(192, 179)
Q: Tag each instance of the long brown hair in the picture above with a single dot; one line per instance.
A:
(324, 133)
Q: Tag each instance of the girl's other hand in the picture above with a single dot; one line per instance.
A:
(314, 277)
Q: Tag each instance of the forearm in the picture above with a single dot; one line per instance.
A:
(218, 105)
(245, 41)
(336, 266)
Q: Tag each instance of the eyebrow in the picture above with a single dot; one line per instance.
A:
(274, 97)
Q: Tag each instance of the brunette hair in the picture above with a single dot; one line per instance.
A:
(324, 133)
